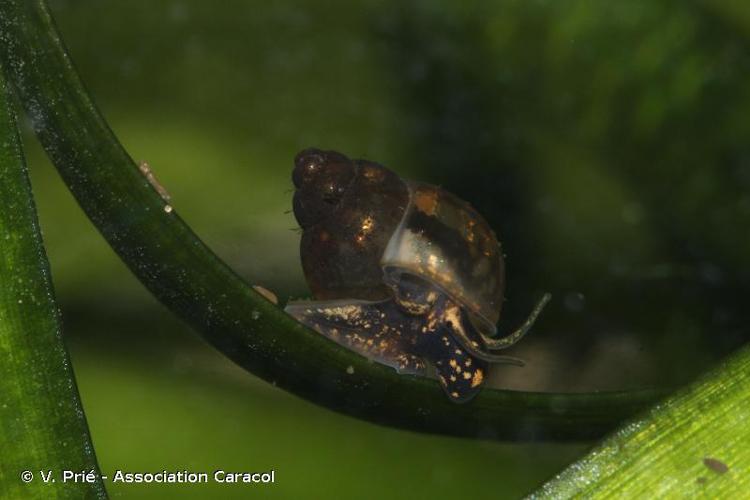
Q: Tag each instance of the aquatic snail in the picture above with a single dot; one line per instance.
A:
(404, 273)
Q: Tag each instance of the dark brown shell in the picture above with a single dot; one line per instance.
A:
(374, 227)
(341, 250)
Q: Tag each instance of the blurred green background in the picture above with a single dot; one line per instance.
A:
(606, 142)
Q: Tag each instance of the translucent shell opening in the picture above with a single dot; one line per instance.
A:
(442, 239)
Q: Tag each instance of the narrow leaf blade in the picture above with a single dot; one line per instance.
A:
(696, 443)
(42, 425)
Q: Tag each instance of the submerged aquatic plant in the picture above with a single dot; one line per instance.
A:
(44, 429)
(185, 275)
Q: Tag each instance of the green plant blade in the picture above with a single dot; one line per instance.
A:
(695, 444)
(42, 422)
(172, 262)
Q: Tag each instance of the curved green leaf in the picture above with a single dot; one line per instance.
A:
(43, 426)
(696, 443)
(172, 262)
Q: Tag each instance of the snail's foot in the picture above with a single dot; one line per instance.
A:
(377, 330)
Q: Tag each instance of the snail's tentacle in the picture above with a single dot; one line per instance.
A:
(455, 323)
(476, 350)
(378, 330)
(495, 344)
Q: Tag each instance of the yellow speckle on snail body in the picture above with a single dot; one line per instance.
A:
(350, 370)
(477, 378)
(454, 364)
